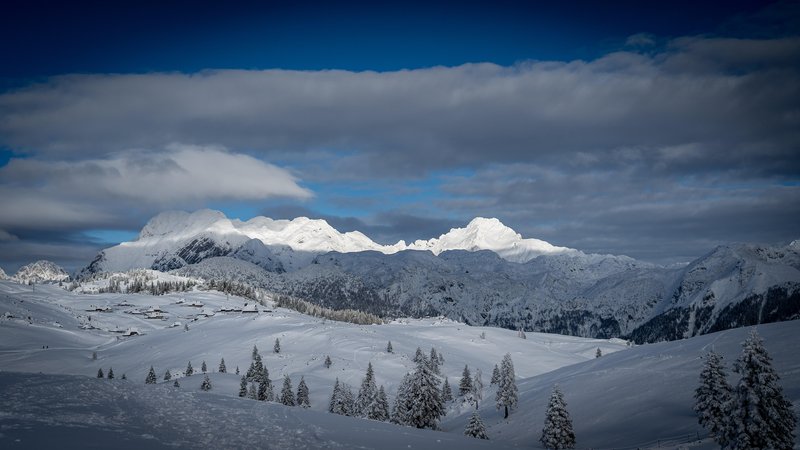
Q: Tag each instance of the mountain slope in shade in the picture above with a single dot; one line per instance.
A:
(174, 239)
(40, 272)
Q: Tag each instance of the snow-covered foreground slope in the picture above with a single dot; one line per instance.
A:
(640, 398)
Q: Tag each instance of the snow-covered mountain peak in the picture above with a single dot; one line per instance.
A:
(39, 272)
(3, 275)
(490, 234)
(181, 223)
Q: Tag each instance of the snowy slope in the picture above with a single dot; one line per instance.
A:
(3, 275)
(40, 271)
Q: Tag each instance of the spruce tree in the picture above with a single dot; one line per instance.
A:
(167, 375)
(389, 348)
(465, 385)
(713, 397)
(243, 387)
(418, 356)
(328, 362)
(277, 347)
(302, 394)
(176, 384)
(557, 433)
(434, 361)
(367, 393)
(124, 377)
(222, 368)
(333, 404)
(380, 409)
(506, 386)
(189, 369)
(151, 376)
(598, 353)
(237, 370)
(495, 376)
(761, 416)
(402, 406)
(255, 352)
(425, 398)
(477, 385)
(253, 391)
(203, 367)
(475, 427)
(100, 373)
(447, 393)
(287, 395)
(110, 373)
(263, 387)
(206, 384)
(251, 371)
(348, 400)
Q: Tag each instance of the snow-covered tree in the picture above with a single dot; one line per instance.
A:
(367, 393)
(176, 384)
(189, 369)
(761, 417)
(506, 386)
(477, 385)
(254, 352)
(124, 377)
(447, 393)
(475, 427)
(251, 371)
(94, 356)
(389, 348)
(380, 408)
(151, 376)
(521, 334)
(495, 375)
(425, 398)
(402, 406)
(341, 399)
(277, 347)
(222, 368)
(465, 385)
(203, 367)
(557, 433)
(598, 353)
(333, 404)
(110, 373)
(713, 398)
(253, 391)
(237, 370)
(433, 360)
(167, 375)
(206, 384)
(243, 387)
(287, 394)
(302, 394)
(418, 355)
(264, 389)
(100, 373)
(328, 362)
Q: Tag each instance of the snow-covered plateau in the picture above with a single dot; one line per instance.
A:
(482, 274)
(53, 342)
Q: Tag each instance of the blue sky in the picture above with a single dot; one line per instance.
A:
(653, 130)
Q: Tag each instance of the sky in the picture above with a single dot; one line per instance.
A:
(654, 131)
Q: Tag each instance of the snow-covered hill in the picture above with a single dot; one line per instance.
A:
(41, 271)
(628, 398)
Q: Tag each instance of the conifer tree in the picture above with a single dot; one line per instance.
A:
(151, 377)
(255, 352)
(287, 394)
(94, 356)
(100, 373)
(506, 386)
(425, 398)
(110, 373)
(251, 371)
(495, 376)
(389, 348)
(277, 347)
(366, 394)
(380, 408)
(418, 356)
(167, 375)
(348, 400)
(203, 367)
(434, 361)
(713, 397)
(124, 377)
(598, 353)
(402, 406)
(302, 394)
(237, 370)
(265, 393)
(222, 368)
(328, 362)
(189, 369)
(477, 385)
(333, 404)
(206, 384)
(253, 391)
(447, 393)
(465, 385)
(176, 384)
(557, 433)
(243, 387)
(761, 416)
(475, 427)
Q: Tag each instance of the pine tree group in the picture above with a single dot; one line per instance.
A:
(342, 401)
(557, 433)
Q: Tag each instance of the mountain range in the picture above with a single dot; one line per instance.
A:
(482, 274)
